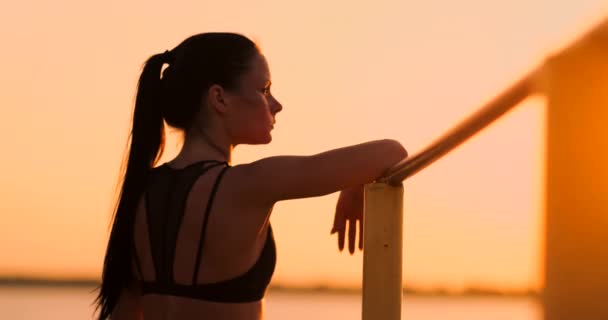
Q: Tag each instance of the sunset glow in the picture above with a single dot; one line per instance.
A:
(345, 73)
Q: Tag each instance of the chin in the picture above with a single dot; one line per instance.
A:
(266, 139)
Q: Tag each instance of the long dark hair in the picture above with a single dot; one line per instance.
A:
(175, 98)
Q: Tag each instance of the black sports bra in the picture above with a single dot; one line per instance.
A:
(166, 197)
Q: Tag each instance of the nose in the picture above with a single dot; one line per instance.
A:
(276, 106)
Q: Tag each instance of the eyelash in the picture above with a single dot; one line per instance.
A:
(266, 91)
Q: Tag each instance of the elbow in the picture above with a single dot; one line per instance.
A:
(397, 151)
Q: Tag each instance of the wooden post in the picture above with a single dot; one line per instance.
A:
(383, 236)
(576, 255)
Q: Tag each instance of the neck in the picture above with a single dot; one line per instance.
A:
(224, 152)
(200, 145)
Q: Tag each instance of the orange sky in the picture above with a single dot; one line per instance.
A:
(345, 73)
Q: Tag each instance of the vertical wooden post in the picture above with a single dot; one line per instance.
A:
(576, 255)
(383, 237)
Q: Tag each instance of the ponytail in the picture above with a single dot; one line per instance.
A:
(146, 147)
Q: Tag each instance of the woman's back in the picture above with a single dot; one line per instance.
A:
(200, 250)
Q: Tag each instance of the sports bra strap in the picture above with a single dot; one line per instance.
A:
(204, 225)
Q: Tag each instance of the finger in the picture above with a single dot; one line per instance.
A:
(352, 233)
(339, 220)
(360, 234)
(338, 225)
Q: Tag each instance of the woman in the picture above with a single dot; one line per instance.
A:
(191, 238)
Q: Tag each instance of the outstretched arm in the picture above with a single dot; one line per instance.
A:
(290, 177)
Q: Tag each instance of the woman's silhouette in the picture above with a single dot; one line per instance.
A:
(191, 238)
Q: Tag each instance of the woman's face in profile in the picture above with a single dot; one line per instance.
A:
(253, 108)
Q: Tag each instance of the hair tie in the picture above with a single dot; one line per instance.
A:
(168, 57)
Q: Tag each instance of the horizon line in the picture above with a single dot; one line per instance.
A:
(471, 290)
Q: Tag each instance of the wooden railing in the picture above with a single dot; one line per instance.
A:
(492, 111)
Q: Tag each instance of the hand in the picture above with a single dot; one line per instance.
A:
(349, 208)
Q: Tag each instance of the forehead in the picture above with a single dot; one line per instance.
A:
(258, 70)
